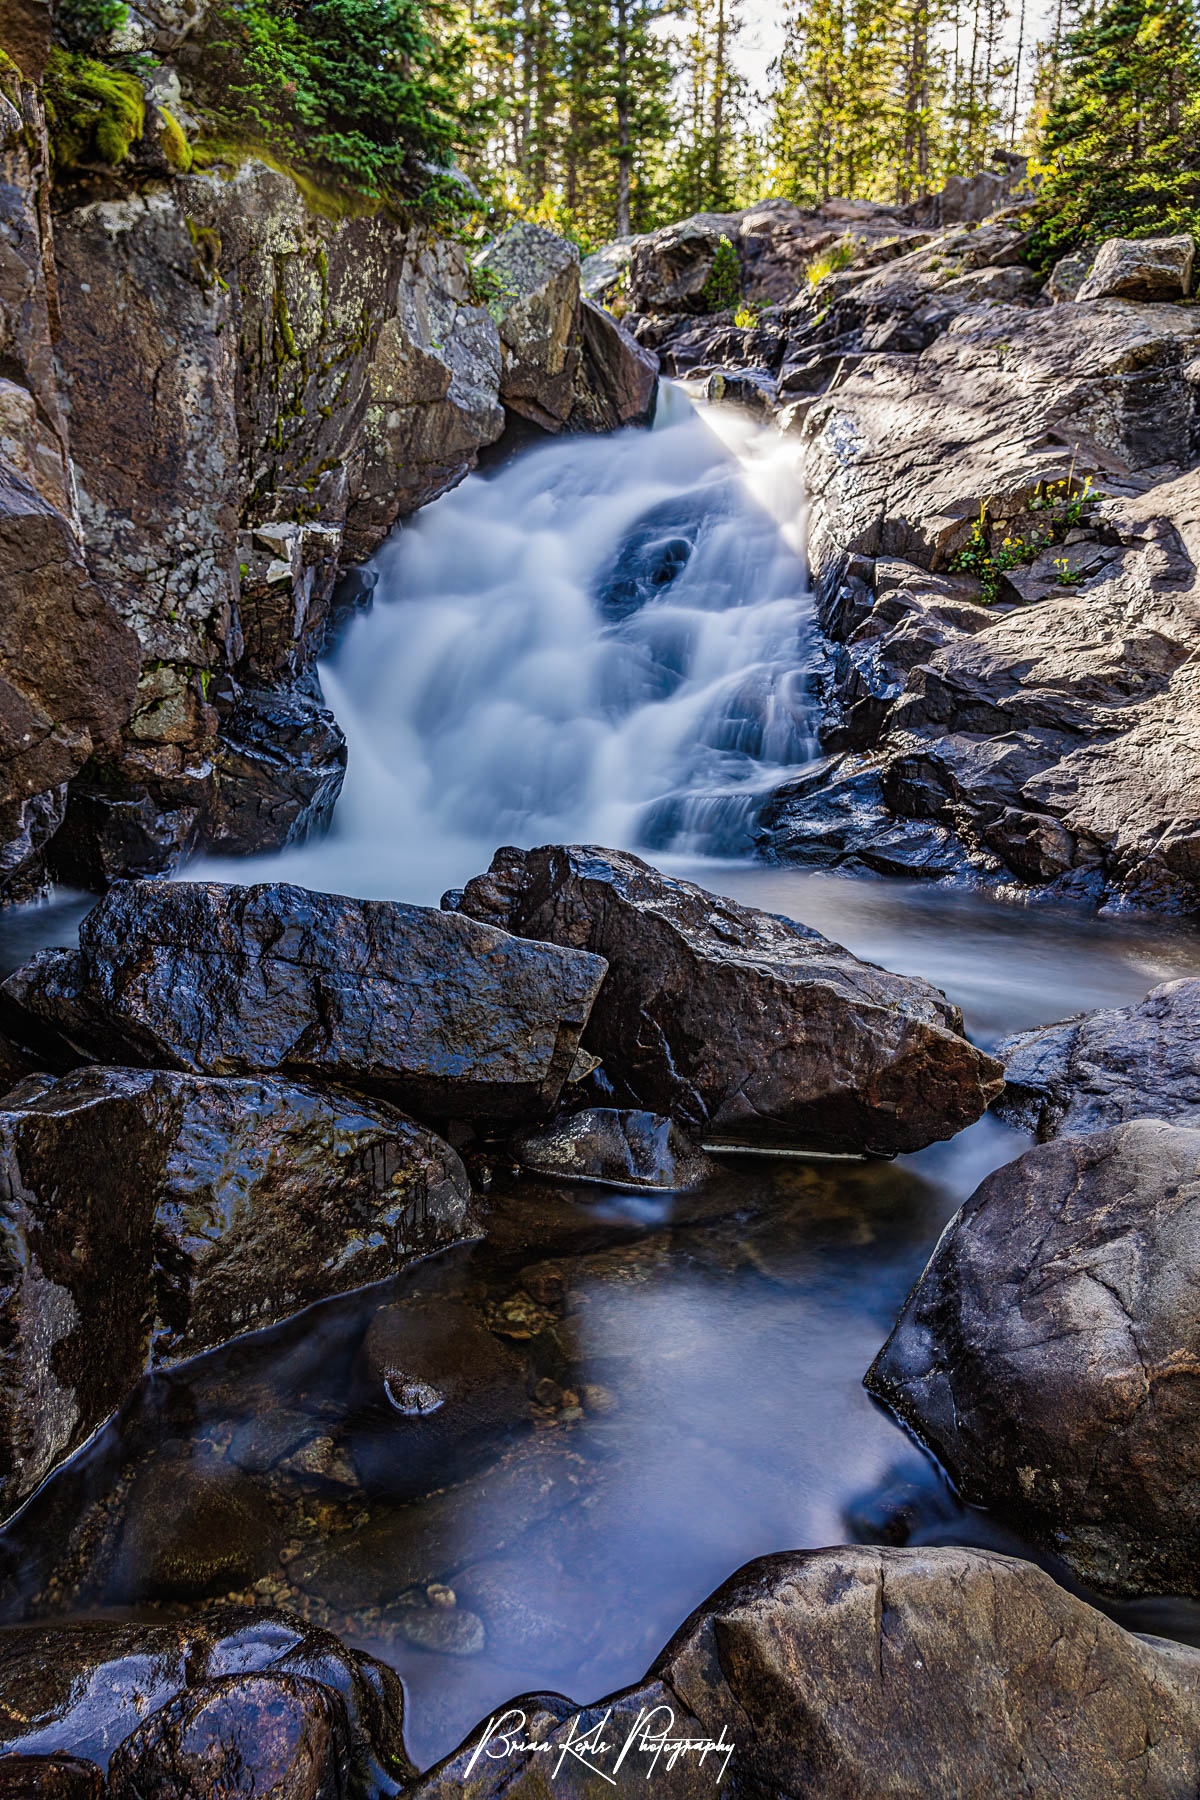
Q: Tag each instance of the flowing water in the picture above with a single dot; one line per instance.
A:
(608, 640)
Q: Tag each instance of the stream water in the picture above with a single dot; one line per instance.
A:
(607, 640)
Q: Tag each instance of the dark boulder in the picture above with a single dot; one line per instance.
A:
(152, 1215)
(277, 1737)
(1123, 1063)
(82, 1689)
(436, 1013)
(737, 1023)
(616, 1149)
(1050, 1353)
(617, 379)
(869, 1674)
(193, 1526)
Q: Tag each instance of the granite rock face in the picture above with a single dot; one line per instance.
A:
(448, 1018)
(1049, 1353)
(1129, 1062)
(151, 1215)
(859, 1673)
(736, 1023)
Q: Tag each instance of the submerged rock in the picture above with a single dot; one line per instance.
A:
(442, 1384)
(738, 1023)
(1049, 1354)
(439, 1014)
(88, 1688)
(152, 1215)
(1128, 1062)
(193, 1527)
(617, 1149)
(857, 1673)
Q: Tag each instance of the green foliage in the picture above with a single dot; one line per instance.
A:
(1119, 154)
(357, 89)
(83, 23)
(838, 255)
(723, 288)
(95, 113)
(988, 556)
(486, 287)
(746, 317)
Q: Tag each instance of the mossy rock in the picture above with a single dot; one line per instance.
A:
(94, 113)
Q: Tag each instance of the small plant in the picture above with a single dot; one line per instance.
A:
(84, 23)
(988, 561)
(723, 289)
(746, 317)
(1067, 576)
(485, 287)
(837, 256)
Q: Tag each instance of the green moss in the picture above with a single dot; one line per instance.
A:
(94, 113)
(327, 198)
(175, 146)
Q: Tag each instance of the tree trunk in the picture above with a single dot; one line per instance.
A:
(624, 129)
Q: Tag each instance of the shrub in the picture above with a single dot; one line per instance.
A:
(723, 288)
(356, 88)
(839, 255)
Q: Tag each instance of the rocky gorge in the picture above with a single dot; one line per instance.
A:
(403, 1307)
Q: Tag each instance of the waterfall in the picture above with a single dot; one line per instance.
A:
(605, 639)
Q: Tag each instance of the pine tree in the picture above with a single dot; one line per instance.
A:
(1119, 154)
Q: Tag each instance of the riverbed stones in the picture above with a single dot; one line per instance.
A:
(615, 1148)
(444, 1016)
(1049, 1354)
(83, 1689)
(1141, 269)
(1105, 1067)
(738, 1024)
(857, 1673)
(150, 1215)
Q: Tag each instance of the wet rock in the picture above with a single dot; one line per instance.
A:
(533, 1610)
(193, 1527)
(617, 380)
(153, 1215)
(854, 1673)
(445, 1630)
(739, 1024)
(49, 1778)
(266, 1735)
(425, 1009)
(81, 1689)
(1048, 1355)
(618, 1149)
(443, 1386)
(538, 305)
(1140, 269)
(1129, 1062)
(410, 1546)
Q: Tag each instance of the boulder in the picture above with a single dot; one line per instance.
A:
(91, 1688)
(1100, 1069)
(857, 1674)
(617, 380)
(153, 1215)
(1141, 269)
(193, 1527)
(449, 1018)
(669, 269)
(739, 1024)
(1049, 1353)
(615, 1149)
(537, 307)
(276, 1735)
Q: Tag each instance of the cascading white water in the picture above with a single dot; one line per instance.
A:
(605, 640)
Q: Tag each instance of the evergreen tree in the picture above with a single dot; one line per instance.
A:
(1119, 154)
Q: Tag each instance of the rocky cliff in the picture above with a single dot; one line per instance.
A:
(1003, 535)
(222, 388)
